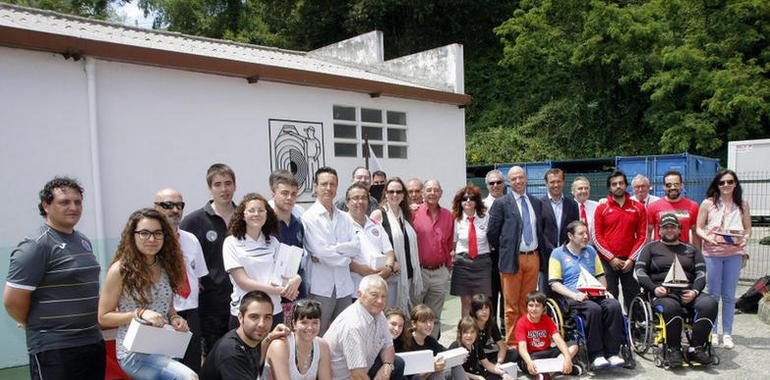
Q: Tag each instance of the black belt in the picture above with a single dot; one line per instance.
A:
(434, 268)
(533, 252)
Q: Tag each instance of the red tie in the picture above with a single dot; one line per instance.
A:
(583, 216)
(473, 248)
(184, 289)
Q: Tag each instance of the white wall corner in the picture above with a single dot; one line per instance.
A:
(366, 49)
(440, 68)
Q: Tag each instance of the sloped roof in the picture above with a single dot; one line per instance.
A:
(35, 29)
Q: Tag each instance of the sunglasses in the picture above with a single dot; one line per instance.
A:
(168, 205)
(493, 183)
(468, 198)
(727, 182)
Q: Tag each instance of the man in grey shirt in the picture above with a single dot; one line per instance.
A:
(52, 290)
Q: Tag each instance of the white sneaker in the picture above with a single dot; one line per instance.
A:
(616, 360)
(600, 362)
(715, 340)
(727, 342)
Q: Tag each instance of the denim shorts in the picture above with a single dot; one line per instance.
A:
(145, 366)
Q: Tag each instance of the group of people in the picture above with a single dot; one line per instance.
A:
(211, 273)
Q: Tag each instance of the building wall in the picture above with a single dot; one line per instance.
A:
(160, 127)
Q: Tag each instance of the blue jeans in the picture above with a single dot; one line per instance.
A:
(154, 367)
(722, 279)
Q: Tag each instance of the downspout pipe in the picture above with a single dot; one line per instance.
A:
(93, 129)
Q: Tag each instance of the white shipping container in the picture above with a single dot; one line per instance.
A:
(750, 159)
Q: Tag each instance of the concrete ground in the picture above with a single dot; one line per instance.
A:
(750, 359)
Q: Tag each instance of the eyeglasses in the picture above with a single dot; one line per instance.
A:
(727, 182)
(359, 199)
(145, 234)
(168, 205)
(468, 198)
(395, 192)
(494, 183)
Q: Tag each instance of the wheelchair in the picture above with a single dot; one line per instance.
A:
(571, 326)
(647, 330)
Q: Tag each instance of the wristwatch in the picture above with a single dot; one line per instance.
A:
(389, 364)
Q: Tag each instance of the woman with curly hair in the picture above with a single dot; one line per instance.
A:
(472, 273)
(144, 275)
(248, 255)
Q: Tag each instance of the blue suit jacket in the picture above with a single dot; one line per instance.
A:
(569, 212)
(505, 229)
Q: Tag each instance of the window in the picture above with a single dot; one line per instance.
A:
(352, 126)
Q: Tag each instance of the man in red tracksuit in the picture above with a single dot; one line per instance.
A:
(621, 228)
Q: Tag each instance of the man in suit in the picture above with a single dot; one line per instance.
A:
(515, 230)
(558, 212)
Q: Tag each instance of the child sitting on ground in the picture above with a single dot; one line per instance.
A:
(418, 338)
(477, 366)
(533, 331)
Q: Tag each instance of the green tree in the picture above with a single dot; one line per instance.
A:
(85, 8)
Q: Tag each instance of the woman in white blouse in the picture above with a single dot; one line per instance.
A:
(472, 273)
(248, 254)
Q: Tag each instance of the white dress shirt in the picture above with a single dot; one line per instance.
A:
(647, 201)
(256, 258)
(462, 227)
(195, 266)
(523, 246)
(374, 242)
(488, 201)
(590, 211)
(331, 239)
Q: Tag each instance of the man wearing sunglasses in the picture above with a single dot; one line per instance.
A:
(170, 203)
(675, 203)
(496, 187)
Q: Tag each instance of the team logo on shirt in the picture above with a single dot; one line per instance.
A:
(86, 245)
(376, 233)
(192, 264)
(211, 236)
(482, 227)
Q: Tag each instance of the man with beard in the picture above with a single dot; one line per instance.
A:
(673, 202)
(170, 203)
(621, 230)
(209, 224)
(651, 268)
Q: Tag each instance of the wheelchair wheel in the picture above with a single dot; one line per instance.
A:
(640, 325)
(553, 310)
(628, 356)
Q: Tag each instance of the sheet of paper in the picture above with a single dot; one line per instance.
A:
(417, 361)
(549, 365)
(509, 368)
(285, 264)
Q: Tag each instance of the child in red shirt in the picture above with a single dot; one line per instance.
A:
(534, 333)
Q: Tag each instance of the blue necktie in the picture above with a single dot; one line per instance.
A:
(525, 219)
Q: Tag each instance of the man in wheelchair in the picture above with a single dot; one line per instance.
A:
(656, 270)
(603, 314)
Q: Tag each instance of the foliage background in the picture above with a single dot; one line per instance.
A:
(550, 79)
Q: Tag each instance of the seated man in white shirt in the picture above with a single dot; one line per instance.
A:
(360, 343)
(332, 242)
(376, 256)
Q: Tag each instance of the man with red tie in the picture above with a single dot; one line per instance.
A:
(170, 203)
(581, 190)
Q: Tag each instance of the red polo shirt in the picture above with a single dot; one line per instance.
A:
(434, 237)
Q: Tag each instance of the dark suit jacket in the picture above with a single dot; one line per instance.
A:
(505, 229)
(569, 212)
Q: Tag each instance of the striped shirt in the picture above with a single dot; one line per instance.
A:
(355, 339)
(62, 273)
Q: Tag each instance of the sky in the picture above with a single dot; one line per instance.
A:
(133, 16)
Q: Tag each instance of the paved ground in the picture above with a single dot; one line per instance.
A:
(750, 359)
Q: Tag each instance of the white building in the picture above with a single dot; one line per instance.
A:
(128, 111)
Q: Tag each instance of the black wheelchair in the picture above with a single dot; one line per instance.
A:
(572, 327)
(647, 330)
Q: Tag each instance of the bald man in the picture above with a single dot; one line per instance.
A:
(170, 203)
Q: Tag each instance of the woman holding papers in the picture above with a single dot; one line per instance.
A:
(303, 355)
(396, 217)
(249, 252)
(576, 274)
(145, 274)
(659, 270)
(724, 224)
(476, 366)
(472, 273)
(422, 319)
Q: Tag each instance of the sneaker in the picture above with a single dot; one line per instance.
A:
(699, 355)
(727, 342)
(714, 339)
(616, 361)
(577, 370)
(600, 362)
(675, 358)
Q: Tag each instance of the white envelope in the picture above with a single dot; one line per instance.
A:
(417, 361)
(164, 340)
(285, 264)
(549, 365)
(509, 368)
(454, 357)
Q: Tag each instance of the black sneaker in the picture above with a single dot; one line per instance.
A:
(699, 355)
(577, 370)
(675, 358)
